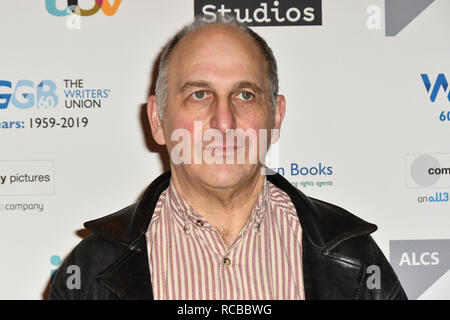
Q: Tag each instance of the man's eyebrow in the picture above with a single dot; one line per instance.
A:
(248, 84)
(195, 84)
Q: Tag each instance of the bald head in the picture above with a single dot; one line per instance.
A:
(202, 32)
(216, 39)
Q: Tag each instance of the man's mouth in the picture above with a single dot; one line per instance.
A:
(224, 148)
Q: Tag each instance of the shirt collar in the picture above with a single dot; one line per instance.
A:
(187, 217)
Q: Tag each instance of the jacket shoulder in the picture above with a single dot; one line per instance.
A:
(378, 279)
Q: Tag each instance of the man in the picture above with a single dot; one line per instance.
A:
(216, 226)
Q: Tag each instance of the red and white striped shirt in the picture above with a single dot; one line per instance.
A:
(188, 258)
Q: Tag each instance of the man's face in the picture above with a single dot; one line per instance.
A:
(217, 77)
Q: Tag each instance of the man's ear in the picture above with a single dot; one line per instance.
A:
(279, 116)
(155, 121)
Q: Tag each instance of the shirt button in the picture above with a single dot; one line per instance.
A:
(227, 261)
(199, 223)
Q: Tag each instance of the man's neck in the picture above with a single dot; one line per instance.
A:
(227, 209)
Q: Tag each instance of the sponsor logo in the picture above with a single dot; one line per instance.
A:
(441, 82)
(398, 14)
(73, 6)
(313, 170)
(79, 97)
(22, 207)
(263, 13)
(307, 176)
(428, 170)
(438, 90)
(25, 94)
(27, 177)
(74, 93)
(419, 263)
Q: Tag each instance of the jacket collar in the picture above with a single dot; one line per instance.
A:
(324, 226)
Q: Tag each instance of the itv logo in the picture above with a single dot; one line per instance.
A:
(73, 7)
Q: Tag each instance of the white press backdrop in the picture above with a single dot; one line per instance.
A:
(356, 102)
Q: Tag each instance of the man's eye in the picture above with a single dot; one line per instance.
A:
(198, 95)
(245, 95)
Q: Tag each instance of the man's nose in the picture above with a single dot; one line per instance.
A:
(223, 115)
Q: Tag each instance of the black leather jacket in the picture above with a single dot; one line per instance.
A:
(337, 251)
